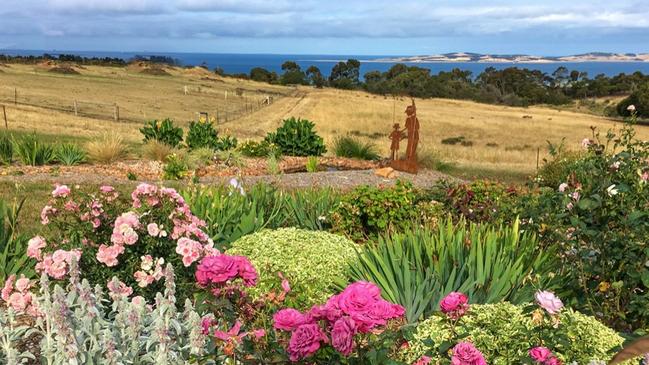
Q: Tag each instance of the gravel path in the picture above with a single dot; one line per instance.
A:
(343, 180)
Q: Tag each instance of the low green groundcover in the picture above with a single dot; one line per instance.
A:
(504, 333)
(311, 261)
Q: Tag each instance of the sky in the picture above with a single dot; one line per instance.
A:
(337, 27)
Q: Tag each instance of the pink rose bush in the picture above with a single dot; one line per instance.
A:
(17, 295)
(454, 305)
(464, 353)
(111, 234)
(543, 355)
(359, 310)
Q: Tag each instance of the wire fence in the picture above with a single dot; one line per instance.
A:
(224, 112)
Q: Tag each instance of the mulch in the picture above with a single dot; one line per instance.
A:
(340, 173)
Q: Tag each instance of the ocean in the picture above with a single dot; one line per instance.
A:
(243, 63)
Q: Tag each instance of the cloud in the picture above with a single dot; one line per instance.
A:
(137, 7)
(242, 6)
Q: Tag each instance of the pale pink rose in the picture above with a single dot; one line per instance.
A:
(147, 262)
(19, 301)
(61, 191)
(585, 143)
(34, 247)
(118, 288)
(645, 176)
(143, 279)
(108, 254)
(8, 287)
(548, 301)
(153, 229)
(106, 189)
(138, 300)
(23, 284)
(563, 187)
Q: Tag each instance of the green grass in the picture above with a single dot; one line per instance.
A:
(501, 175)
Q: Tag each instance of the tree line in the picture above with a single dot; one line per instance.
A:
(512, 86)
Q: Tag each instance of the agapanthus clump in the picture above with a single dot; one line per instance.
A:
(109, 235)
(346, 317)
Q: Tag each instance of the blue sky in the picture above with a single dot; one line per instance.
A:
(383, 27)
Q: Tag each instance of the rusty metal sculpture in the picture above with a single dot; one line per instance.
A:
(409, 162)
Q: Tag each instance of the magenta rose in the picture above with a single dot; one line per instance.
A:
(305, 341)
(464, 353)
(357, 301)
(552, 361)
(540, 354)
(247, 272)
(289, 319)
(342, 335)
(454, 305)
(424, 360)
(216, 269)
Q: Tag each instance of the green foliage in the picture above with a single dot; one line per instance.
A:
(131, 176)
(202, 134)
(311, 261)
(639, 99)
(13, 246)
(163, 131)
(554, 170)
(311, 209)
(264, 148)
(176, 167)
(312, 164)
(297, 137)
(478, 201)
(344, 75)
(272, 165)
(231, 212)
(504, 333)
(6, 149)
(70, 154)
(351, 147)
(368, 211)
(32, 151)
(488, 263)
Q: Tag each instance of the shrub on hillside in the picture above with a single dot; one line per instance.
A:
(560, 165)
(351, 147)
(264, 148)
(202, 134)
(163, 131)
(311, 261)
(297, 137)
(131, 238)
(505, 334)
(640, 101)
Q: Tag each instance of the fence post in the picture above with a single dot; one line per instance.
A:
(15, 96)
(116, 113)
(4, 111)
(76, 110)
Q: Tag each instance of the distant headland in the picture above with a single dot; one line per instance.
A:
(518, 58)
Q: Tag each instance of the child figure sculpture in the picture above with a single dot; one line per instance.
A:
(396, 136)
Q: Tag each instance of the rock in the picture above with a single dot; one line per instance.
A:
(386, 172)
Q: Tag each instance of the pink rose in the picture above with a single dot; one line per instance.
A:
(424, 360)
(342, 335)
(247, 272)
(540, 354)
(286, 287)
(106, 189)
(464, 353)
(305, 341)
(8, 287)
(288, 319)
(259, 333)
(23, 284)
(153, 230)
(108, 254)
(552, 361)
(19, 301)
(548, 301)
(357, 301)
(61, 191)
(34, 247)
(118, 288)
(216, 269)
(454, 305)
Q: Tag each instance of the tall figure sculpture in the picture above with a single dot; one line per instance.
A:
(409, 162)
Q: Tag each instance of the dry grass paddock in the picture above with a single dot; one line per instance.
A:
(504, 140)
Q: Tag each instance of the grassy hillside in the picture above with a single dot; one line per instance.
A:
(503, 140)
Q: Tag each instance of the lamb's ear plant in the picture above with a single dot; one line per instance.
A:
(78, 327)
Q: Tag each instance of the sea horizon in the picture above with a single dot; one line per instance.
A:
(235, 63)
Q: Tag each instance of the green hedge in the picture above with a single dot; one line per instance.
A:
(311, 261)
(504, 333)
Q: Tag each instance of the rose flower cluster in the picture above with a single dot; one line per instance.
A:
(358, 309)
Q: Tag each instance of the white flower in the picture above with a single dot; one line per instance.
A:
(631, 108)
(615, 165)
(611, 190)
(563, 187)
(236, 185)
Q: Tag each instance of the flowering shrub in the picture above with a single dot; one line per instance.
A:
(312, 261)
(348, 322)
(509, 334)
(110, 235)
(598, 217)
